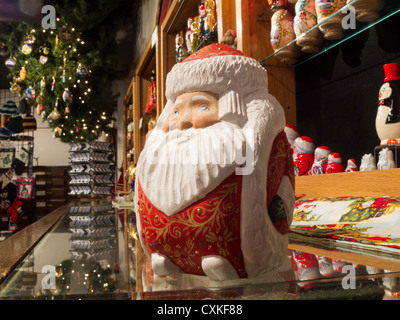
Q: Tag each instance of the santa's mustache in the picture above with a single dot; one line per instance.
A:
(221, 144)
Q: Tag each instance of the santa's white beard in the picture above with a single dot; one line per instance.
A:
(180, 167)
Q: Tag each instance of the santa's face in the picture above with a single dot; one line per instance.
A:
(193, 110)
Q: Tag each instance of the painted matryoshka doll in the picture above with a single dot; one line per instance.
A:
(387, 121)
(303, 148)
(332, 27)
(282, 33)
(306, 19)
(334, 163)
(367, 10)
(321, 155)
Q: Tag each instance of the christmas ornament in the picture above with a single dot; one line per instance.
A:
(78, 129)
(26, 49)
(282, 33)
(67, 96)
(334, 163)
(43, 59)
(387, 120)
(180, 49)
(188, 35)
(202, 20)
(55, 115)
(15, 88)
(39, 110)
(30, 93)
(22, 74)
(30, 101)
(351, 165)
(235, 203)
(331, 26)
(63, 77)
(67, 110)
(306, 19)
(3, 49)
(10, 63)
(57, 132)
(195, 34)
(30, 39)
(65, 34)
(41, 99)
(53, 83)
(44, 50)
(82, 71)
(211, 9)
(151, 98)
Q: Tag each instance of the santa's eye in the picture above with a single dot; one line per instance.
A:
(203, 108)
(175, 113)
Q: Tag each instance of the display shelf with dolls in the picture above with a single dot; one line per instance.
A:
(335, 21)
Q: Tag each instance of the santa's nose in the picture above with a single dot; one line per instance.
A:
(185, 121)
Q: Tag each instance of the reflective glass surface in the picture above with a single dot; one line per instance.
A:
(91, 253)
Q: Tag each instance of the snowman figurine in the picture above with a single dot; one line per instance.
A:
(387, 121)
(351, 165)
(303, 151)
(385, 160)
(367, 162)
(320, 160)
(334, 163)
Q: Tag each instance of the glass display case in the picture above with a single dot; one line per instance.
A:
(92, 252)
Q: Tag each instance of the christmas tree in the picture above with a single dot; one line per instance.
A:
(65, 73)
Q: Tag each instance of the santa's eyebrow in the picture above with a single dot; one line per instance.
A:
(178, 102)
(200, 97)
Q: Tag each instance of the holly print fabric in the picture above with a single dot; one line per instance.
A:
(367, 222)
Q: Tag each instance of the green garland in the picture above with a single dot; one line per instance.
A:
(59, 63)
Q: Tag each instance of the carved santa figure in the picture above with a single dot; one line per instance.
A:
(215, 183)
(303, 151)
(351, 165)
(320, 160)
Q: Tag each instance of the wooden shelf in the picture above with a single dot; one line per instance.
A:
(375, 183)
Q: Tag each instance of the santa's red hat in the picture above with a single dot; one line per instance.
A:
(335, 157)
(220, 69)
(304, 144)
(323, 151)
